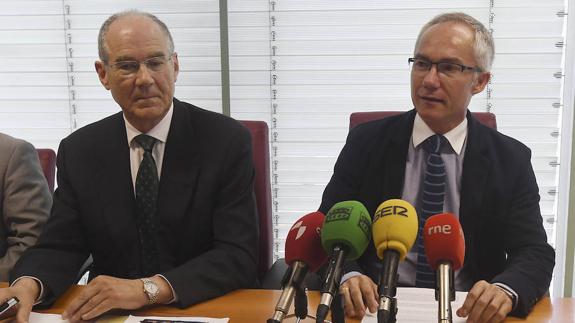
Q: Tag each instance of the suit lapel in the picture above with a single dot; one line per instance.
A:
(396, 156)
(476, 168)
(180, 167)
(115, 180)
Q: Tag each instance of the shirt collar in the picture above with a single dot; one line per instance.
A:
(455, 136)
(159, 132)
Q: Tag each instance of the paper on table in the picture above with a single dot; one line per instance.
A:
(138, 319)
(419, 305)
(46, 318)
(57, 318)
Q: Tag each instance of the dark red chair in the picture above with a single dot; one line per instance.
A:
(487, 118)
(48, 162)
(262, 188)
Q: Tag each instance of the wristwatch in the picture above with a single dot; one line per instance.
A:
(151, 289)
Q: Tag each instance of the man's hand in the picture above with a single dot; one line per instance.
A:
(485, 302)
(27, 291)
(105, 293)
(358, 293)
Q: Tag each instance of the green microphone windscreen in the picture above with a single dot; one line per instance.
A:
(347, 224)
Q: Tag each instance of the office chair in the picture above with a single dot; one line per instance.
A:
(48, 162)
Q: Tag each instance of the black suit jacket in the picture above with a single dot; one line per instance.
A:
(499, 203)
(206, 210)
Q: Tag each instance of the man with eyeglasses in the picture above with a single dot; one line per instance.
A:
(486, 180)
(160, 194)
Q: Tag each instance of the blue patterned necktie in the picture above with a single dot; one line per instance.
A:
(431, 203)
(147, 185)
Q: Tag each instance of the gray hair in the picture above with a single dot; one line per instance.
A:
(102, 48)
(483, 48)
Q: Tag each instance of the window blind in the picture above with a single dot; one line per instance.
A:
(33, 80)
(49, 84)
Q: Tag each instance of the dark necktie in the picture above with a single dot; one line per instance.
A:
(147, 184)
(431, 203)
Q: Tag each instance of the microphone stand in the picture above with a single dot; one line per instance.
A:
(387, 311)
(337, 315)
(331, 282)
(444, 292)
(292, 280)
(300, 304)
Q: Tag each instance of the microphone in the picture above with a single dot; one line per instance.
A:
(394, 233)
(445, 250)
(303, 252)
(345, 235)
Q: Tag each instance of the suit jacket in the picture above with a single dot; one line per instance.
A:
(207, 229)
(499, 203)
(25, 200)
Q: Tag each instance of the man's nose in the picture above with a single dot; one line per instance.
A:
(431, 78)
(144, 76)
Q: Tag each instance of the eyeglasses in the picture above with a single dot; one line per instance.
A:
(420, 65)
(129, 68)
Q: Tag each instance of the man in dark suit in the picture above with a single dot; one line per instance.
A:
(489, 185)
(161, 194)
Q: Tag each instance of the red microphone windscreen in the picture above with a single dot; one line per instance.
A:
(443, 240)
(303, 242)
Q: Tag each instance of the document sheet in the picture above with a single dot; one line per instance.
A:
(57, 318)
(419, 305)
(164, 319)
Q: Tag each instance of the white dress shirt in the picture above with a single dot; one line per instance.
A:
(160, 133)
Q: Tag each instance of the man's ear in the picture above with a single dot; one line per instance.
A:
(102, 73)
(481, 82)
(176, 66)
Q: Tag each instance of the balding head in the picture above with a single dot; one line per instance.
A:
(102, 46)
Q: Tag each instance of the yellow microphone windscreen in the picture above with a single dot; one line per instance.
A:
(394, 227)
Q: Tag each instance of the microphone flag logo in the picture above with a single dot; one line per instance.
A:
(300, 229)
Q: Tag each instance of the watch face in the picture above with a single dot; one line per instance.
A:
(151, 288)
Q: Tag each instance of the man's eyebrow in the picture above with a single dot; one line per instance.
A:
(452, 60)
(444, 60)
(130, 58)
(124, 59)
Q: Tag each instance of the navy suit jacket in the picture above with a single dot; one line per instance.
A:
(207, 225)
(499, 203)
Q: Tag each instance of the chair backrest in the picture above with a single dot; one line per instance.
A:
(487, 118)
(48, 162)
(262, 188)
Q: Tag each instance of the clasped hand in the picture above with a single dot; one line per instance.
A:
(105, 293)
(102, 294)
(485, 302)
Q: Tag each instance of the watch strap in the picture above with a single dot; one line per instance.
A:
(152, 297)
